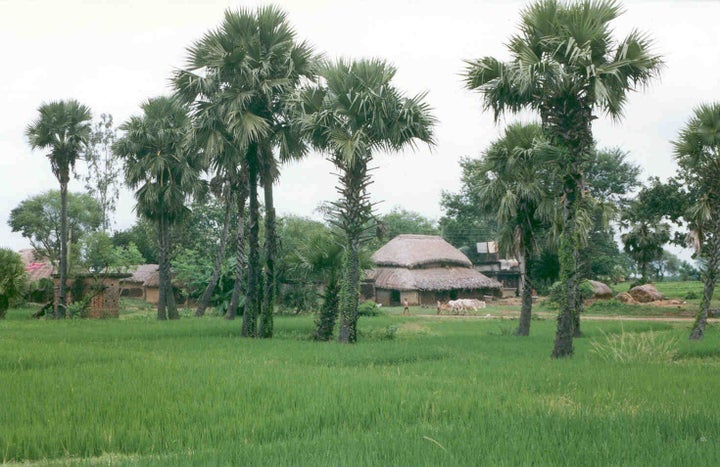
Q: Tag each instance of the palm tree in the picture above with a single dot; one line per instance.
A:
(240, 75)
(515, 184)
(165, 171)
(697, 152)
(63, 128)
(353, 114)
(566, 65)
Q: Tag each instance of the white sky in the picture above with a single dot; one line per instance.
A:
(112, 55)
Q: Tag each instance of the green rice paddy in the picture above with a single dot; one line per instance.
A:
(413, 391)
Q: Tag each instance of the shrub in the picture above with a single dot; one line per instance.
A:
(691, 295)
(556, 292)
(13, 279)
(368, 308)
(642, 347)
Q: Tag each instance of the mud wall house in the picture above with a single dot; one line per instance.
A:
(134, 286)
(505, 271)
(100, 291)
(151, 288)
(424, 269)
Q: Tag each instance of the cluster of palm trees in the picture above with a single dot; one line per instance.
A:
(252, 96)
(566, 66)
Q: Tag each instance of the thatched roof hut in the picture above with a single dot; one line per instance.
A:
(424, 269)
(136, 284)
(142, 273)
(419, 251)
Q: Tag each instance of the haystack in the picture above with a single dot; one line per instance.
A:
(601, 290)
(645, 293)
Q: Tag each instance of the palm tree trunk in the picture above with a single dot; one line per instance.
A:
(568, 123)
(162, 253)
(205, 299)
(268, 306)
(240, 256)
(711, 252)
(523, 328)
(249, 325)
(349, 293)
(579, 299)
(325, 323)
(172, 310)
(355, 211)
(62, 300)
(568, 275)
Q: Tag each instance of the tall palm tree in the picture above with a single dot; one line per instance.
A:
(697, 151)
(355, 113)
(516, 185)
(165, 171)
(566, 65)
(241, 73)
(63, 128)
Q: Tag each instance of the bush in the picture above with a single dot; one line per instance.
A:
(13, 279)
(691, 295)
(556, 292)
(645, 347)
(368, 308)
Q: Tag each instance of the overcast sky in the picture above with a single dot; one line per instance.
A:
(112, 55)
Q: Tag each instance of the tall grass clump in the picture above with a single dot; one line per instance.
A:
(643, 347)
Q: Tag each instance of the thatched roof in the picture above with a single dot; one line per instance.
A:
(142, 273)
(36, 268)
(153, 279)
(443, 278)
(416, 251)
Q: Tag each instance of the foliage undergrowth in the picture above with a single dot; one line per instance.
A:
(440, 392)
(644, 347)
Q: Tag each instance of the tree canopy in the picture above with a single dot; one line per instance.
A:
(38, 219)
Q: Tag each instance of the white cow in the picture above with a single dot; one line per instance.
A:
(462, 305)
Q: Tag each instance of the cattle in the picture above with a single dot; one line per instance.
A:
(461, 305)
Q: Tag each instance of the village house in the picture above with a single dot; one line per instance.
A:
(424, 269)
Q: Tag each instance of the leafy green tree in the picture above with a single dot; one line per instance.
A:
(103, 177)
(241, 75)
(63, 128)
(465, 223)
(401, 221)
(143, 235)
(221, 189)
(566, 65)
(165, 171)
(644, 242)
(353, 113)
(611, 180)
(38, 219)
(13, 279)
(667, 267)
(516, 184)
(100, 255)
(697, 152)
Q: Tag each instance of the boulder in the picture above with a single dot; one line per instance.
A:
(645, 293)
(601, 290)
(624, 297)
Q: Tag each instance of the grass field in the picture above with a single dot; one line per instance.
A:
(413, 391)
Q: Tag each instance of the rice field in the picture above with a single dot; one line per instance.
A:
(413, 391)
